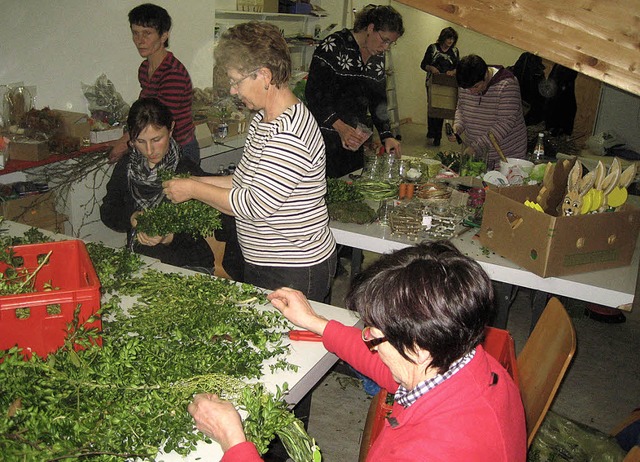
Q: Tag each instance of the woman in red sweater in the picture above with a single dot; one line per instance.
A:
(425, 309)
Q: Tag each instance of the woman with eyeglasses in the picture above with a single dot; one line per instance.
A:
(277, 190)
(347, 86)
(425, 309)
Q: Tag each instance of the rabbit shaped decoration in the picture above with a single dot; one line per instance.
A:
(554, 183)
(577, 187)
(609, 183)
(618, 195)
(595, 196)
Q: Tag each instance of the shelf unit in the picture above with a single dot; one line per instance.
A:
(291, 25)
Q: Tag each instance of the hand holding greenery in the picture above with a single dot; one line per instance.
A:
(192, 217)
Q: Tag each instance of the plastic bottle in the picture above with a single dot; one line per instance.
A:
(538, 151)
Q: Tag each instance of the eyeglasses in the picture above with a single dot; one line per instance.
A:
(236, 83)
(370, 340)
(386, 41)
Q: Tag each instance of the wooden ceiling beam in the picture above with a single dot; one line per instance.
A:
(599, 38)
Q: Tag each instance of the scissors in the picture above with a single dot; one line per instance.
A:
(304, 336)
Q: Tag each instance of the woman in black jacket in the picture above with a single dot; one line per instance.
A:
(136, 185)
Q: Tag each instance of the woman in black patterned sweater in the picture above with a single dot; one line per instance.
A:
(347, 86)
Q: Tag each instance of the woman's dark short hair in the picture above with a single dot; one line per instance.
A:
(448, 33)
(383, 17)
(150, 15)
(252, 45)
(145, 112)
(471, 69)
(429, 296)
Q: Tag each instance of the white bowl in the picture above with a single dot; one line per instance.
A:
(525, 166)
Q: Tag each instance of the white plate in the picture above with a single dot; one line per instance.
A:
(496, 178)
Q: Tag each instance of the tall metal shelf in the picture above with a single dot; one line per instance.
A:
(293, 27)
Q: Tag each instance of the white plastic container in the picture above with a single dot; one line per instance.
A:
(516, 170)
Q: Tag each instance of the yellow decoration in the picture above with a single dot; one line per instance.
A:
(596, 197)
(534, 205)
(586, 203)
(617, 197)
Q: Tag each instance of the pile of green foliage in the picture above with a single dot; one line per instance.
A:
(341, 191)
(190, 217)
(13, 279)
(352, 212)
(345, 203)
(128, 398)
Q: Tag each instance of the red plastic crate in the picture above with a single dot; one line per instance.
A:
(71, 273)
(499, 344)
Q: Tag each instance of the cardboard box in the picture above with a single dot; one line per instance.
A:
(203, 135)
(30, 150)
(75, 124)
(54, 223)
(104, 136)
(30, 209)
(270, 6)
(556, 246)
(443, 96)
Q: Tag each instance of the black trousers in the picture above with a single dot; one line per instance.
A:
(434, 127)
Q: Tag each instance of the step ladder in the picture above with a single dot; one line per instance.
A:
(392, 98)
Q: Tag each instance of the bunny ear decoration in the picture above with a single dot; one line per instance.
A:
(595, 196)
(612, 178)
(575, 175)
(610, 183)
(600, 172)
(587, 182)
(547, 182)
(627, 176)
(618, 196)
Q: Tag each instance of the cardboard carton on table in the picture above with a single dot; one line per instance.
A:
(74, 124)
(28, 149)
(556, 246)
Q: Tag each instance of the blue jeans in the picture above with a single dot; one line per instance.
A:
(313, 281)
(191, 150)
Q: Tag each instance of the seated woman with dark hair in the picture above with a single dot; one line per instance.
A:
(425, 309)
(136, 185)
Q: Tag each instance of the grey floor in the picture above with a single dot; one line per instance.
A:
(601, 387)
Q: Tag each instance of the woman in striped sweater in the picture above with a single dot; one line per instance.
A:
(489, 102)
(161, 76)
(277, 191)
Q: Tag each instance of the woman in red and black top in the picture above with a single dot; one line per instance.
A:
(161, 76)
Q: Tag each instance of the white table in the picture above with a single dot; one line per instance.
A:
(312, 359)
(613, 287)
